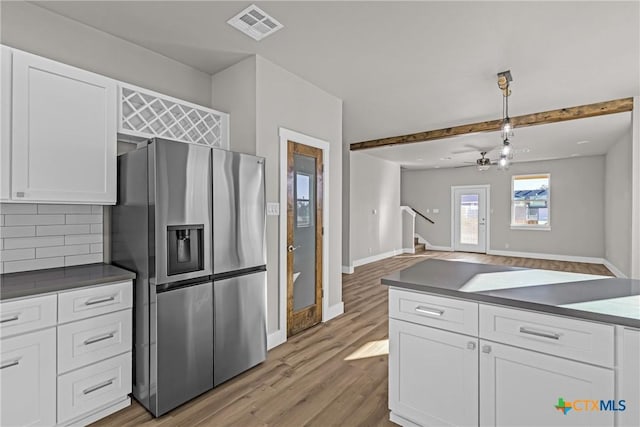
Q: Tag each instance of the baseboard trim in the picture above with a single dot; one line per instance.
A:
(332, 311)
(409, 250)
(438, 248)
(347, 269)
(374, 258)
(615, 270)
(276, 338)
(552, 257)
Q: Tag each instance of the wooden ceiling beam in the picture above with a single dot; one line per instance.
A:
(553, 116)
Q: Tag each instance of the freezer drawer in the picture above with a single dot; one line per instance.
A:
(238, 211)
(240, 328)
(184, 340)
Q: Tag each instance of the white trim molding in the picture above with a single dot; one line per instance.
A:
(333, 311)
(347, 269)
(429, 246)
(553, 257)
(280, 336)
(615, 270)
(378, 257)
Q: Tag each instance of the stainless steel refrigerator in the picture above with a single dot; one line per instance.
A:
(239, 263)
(161, 229)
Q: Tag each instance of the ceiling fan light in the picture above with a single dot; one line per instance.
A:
(483, 168)
(506, 148)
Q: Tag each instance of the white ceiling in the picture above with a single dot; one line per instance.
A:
(404, 67)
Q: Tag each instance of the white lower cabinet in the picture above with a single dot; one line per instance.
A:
(433, 375)
(522, 388)
(28, 379)
(514, 371)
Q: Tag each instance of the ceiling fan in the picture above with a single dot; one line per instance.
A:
(484, 163)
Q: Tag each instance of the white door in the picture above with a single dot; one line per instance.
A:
(525, 388)
(470, 219)
(28, 379)
(5, 123)
(433, 375)
(64, 133)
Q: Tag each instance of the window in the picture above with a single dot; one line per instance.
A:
(303, 202)
(530, 202)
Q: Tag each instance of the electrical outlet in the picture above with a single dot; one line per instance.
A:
(436, 211)
(506, 246)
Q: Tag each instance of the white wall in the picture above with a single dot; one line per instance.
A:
(617, 213)
(283, 99)
(234, 91)
(33, 29)
(376, 222)
(577, 205)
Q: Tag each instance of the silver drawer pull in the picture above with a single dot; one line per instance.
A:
(10, 364)
(99, 338)
(99, 300)
(552, 335)
(97, 387)
(430, 311)
(10, 319)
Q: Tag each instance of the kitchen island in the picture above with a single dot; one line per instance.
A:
(476, 344)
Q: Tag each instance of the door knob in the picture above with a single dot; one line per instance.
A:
(292, 248)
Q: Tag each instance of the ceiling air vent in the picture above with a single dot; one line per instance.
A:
(255, 23)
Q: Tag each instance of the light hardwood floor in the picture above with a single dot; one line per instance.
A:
(318, 377)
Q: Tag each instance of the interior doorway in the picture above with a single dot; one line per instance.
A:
(305, 181)
(470, 218)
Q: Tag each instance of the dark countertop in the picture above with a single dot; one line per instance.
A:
(29, 283)
(568, 295)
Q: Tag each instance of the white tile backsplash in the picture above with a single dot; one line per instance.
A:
(62, 230)
(82, 238)
(37, 236)
(33, 242)
(33, 220)
(18, 208)
(64, 209)
(82, 259)
(26, 231)
(84, 219)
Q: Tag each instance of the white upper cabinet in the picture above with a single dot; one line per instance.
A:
(64, 133)
(5, 123)
(146, 114)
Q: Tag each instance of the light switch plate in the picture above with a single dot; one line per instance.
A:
(436, 211)
(273, 209)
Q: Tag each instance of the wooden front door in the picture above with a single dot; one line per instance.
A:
(304, 237)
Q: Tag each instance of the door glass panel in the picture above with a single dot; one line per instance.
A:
(469, 219)
(304, 232)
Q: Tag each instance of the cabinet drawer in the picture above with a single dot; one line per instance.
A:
(89, 388)
(574, 339)
(17, 317)
(91, 340)
(94, 301)
(445, 313)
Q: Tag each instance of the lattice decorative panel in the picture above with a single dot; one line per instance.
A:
(148, 114)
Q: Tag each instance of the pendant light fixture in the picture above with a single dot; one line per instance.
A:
(506, 131)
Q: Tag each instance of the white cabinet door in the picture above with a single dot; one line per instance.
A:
(522, 388)
(64, 133)
(5, 123)
(433, 375)
(630, 379)
(28, 379)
